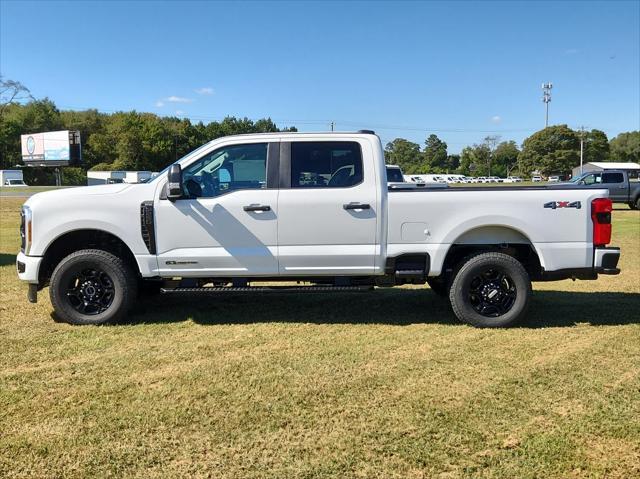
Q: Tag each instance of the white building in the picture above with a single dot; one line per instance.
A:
(105, 177)
(110, 177)
(607, 165)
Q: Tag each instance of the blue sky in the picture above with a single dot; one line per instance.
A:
(463, 70)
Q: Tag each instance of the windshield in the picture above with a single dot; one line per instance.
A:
(394, 175)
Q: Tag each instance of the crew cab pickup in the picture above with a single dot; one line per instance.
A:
(312, 209)
(621, 189)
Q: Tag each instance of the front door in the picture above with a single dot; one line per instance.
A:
(226, 223)
(328, 209)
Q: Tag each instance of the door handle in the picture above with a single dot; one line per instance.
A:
(357, 206)
(257, 208)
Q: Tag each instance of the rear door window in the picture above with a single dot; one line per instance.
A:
(326, 164)
(612, 178)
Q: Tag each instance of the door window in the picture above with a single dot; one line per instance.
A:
(612, 178)
(231, 168)
(326, 164)
(592, 179)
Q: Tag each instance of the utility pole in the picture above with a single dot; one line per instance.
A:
(332, 125)
(581, 147)
(546, 98)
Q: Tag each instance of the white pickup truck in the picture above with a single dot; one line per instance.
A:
(312, 209)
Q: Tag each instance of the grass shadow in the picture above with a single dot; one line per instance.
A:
(398, 307)
(7, 259)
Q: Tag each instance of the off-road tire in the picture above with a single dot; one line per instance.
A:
(122, 283)
(465, 302)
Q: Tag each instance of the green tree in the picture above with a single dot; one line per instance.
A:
(625, 147)
(453, 163)
(555, 149)
(405, 154)
(505, 158)
(33, 117)
(435, 155)
(596, 146)
(474, 160)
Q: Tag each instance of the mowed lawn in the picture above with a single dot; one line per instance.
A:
(378, 384)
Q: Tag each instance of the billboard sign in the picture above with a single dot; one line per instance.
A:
(52, 148)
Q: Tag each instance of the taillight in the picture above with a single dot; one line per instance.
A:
(601, 217)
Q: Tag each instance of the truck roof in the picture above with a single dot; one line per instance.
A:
(304, 133)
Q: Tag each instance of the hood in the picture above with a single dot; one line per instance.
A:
(47, 196)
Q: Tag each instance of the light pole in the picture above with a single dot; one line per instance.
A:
(546, 98)
(581, 147)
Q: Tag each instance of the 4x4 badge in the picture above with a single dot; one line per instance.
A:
(563, 204)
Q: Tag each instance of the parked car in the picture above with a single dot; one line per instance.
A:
(621, 188)
(553, 179)
(513, 179)
(394, 174)
(416, 179)
(312, 207)
(11, 178)
(536, 178)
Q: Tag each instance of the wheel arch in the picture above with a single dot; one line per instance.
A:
(85, 238)
(501, 238)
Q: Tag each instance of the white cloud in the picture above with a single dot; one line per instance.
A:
(179, 112)
(178, 99)
(204, 90)
(496, 119)
(159, 104)
(571, 51)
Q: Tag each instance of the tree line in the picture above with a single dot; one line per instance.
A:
(117, 141)
(553, 150)
(145, 141)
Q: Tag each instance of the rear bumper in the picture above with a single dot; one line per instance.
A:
(605, 260)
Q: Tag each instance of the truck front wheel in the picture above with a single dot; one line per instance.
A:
(92, 287)
(490, 290)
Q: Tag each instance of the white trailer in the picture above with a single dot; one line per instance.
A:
(105, 177)
(11, 178)
(137, 176)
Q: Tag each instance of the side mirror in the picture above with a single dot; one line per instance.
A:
(174, 186)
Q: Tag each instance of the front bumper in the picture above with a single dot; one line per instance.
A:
(28, 267)
(605, 260)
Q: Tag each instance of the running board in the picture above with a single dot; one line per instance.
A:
(264, 289)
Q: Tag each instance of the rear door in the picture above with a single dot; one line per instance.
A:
(328, 208)
(618, 187)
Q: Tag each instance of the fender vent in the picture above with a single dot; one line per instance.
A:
(147, 226)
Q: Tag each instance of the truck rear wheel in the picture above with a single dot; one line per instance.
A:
(92, 287)
(635, 205)
(490, 290)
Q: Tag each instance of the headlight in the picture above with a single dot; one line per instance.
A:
(26, 229)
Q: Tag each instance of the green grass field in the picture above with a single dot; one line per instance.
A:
(378, 384)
